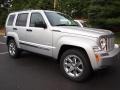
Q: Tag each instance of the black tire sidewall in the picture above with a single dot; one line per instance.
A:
(16, 49)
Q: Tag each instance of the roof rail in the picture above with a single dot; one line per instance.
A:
(22, 10)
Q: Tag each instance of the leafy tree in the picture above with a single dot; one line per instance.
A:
(100, 13)
(75, 8)
(105, 13)
(31, 4)
(4, 5)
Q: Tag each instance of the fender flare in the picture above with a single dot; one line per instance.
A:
(15, 36)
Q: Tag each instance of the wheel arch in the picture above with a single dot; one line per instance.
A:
(87, 50)
(12, 36)
(66, 47)
(8, 39)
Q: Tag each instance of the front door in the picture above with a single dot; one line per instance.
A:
(39, 38)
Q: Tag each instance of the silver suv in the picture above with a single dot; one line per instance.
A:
(54, 34)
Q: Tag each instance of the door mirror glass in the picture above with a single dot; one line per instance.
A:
(40, 24)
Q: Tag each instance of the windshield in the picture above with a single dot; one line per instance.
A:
(59, 19)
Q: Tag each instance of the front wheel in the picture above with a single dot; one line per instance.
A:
(75, 65)
(14, 52)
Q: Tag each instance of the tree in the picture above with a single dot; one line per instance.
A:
(105, 13)
(4, 9)
(72, 7)
(32, 4)
(100, 13)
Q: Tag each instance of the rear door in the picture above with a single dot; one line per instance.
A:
(20, 27)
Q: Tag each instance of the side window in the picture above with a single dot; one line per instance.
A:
(10, 20)
(22, 19)
(36, 20)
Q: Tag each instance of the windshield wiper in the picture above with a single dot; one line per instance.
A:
(65, 25)
(61, 25)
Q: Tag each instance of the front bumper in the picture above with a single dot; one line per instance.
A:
(110, 58)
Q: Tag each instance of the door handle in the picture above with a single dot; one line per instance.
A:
(56, 30)
(14, 28)
(29, 30)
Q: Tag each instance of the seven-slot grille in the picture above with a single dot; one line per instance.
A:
(110, 42)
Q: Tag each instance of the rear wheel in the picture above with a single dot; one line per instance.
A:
(14, 52)
(75, 65)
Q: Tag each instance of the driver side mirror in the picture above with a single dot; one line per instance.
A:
(40, 24)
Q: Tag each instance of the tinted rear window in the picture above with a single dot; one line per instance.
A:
(10, 20)
(22, 19)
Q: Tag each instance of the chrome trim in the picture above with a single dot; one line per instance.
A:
(34, 46)
(73, 66)
(109, 40)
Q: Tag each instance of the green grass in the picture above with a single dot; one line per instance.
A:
(117, 39)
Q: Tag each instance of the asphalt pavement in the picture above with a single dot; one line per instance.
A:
(36, 72)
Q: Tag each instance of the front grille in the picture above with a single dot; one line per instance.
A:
(110, 42)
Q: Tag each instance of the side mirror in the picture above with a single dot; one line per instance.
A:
(40, 24)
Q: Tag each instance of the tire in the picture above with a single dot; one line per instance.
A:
(14, 52)
(75, 65)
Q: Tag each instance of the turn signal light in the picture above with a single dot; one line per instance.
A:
(98, 57)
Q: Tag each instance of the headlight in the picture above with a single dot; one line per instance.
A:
(103, 44)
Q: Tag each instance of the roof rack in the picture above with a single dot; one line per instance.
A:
(22, 10)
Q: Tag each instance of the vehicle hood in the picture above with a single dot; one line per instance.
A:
(91, 32)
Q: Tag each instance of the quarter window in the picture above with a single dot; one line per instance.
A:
(10, 20)
(22, 19)
(36, 20)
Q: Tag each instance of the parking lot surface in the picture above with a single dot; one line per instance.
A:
(36, 72)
